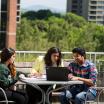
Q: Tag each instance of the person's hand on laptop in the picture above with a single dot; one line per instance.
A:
(72, 77)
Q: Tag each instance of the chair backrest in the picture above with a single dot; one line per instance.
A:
(6, 100)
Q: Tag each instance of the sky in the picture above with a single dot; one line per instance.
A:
(58, 4)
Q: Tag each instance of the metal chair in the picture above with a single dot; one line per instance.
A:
(6, 101)
(97, 100)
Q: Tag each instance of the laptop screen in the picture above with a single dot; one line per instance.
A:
(57, 73)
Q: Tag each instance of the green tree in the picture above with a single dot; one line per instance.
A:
(99, 37)
(45, 29)
(55, 31)
(75, 20)
(24, 35)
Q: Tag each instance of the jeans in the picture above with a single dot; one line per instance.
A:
(77, 95)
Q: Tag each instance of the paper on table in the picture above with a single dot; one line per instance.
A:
(21, 76)
(43, 77)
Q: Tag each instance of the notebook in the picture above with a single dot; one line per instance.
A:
(57, 73)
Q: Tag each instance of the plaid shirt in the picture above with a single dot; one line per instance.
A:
(87, 70)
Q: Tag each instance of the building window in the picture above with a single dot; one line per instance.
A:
(99, 12)
(18, 19)
(18, 7)
(100, 7)
(3, 18)
(100, 2)
(18, 1)
(75, 1)
(2, 40)
(93, 2)
(92, 12)
(74, 11)
(74, 6)
(92, 17)
(3, 22)
(18, 11)
(99, 17)
(3, 5)
(93, 7)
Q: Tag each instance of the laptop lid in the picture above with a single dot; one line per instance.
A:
(57, 73)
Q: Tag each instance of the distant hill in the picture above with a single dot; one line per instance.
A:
(38, 7)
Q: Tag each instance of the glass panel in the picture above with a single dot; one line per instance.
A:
(18, 1)
(93, 2)
(100, 2)
(74, 1)
(3, 21)
(2, 40)
(92, 17)
(18, 19)
(18, 7)
(93, 12)
(93, 7)
(3, 5)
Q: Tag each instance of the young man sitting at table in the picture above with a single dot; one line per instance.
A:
(82, 70)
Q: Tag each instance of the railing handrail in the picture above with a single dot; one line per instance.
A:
(64, 52)
(92, 55)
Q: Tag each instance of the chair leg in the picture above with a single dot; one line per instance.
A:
(90, 102)
(71, 101)
(9, 102)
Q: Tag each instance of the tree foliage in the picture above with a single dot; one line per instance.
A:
(43, 29)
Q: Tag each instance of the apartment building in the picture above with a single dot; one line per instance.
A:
(9, 17)
(92, 10)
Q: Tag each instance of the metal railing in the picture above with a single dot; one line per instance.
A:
(29, 56)
(95, 57)
(92, 55)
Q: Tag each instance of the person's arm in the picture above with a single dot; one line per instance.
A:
(87, 81)
(38, 67)
(92, 77)
(5, 78)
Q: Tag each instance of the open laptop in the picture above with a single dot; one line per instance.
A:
(57, 73)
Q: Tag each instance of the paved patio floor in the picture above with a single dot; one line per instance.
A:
(90, 103)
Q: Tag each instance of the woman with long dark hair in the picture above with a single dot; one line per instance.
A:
(52, 58)
(9, 76)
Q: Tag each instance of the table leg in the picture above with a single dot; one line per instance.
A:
(50, 90)
(42, 91)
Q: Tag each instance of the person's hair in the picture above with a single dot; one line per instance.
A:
(47, 58)
(80, 51)
(6, 54)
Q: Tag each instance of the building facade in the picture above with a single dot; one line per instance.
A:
(92, 10)
(9, 17)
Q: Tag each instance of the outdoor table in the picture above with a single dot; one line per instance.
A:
(35, 82)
